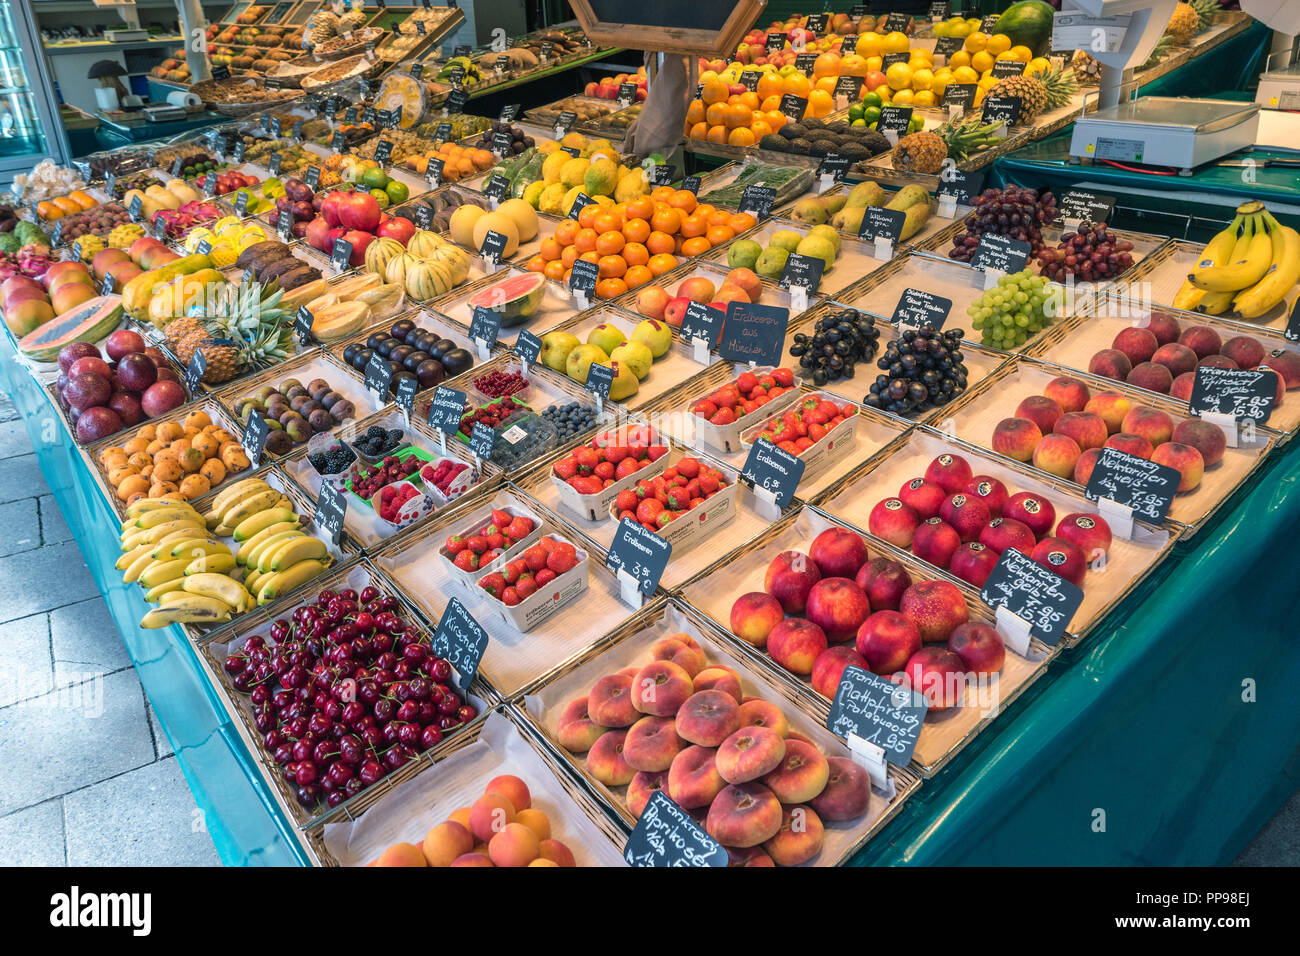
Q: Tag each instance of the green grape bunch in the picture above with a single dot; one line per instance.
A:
(1014, 310)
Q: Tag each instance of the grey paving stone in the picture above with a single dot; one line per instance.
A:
(143, 818)
(85, 639)
(72, 737)
(13, 439)
(54, 527)
(20, 477)
(20, 527)
(1278, 844)
(44, 579)
(33, 837)
(25, 668)
(161, 745)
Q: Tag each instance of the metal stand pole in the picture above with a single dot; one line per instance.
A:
(196, 45)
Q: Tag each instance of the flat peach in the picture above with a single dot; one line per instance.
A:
(744, 815)
(801, 775)
(606, 762)
(847, 792)
(720, 678)
(799, 838)
(642, 788)
(659, 689)
(693, 779)
(652, 743)
(610, 702)
(708, 717)
(756, 712)
(750, 753)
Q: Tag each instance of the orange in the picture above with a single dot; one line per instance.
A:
(716, 114)
(638, 276)
(696, 247)
(741, 221)
(659, 242)
(566, 258)
(748, 100)
(796, 83)
(820, 103)
(666, 220)
(693, 226)
(737, 115)
(659, 264)
(611, 266)
(717, 217)
(698, 131)
(695, 112)
(608, 221)
(759, 127)
(609, 243)
(826, 64)
(776, 119)
(826, 84)
(565, 230)
(551, 248)
(740, 136)
(716, 134)
(554, 270)
(771, 103)
(684, 200)
(660, 194)
(642, 207)
(536, 264)
(610, 288)
(714, 91)
(705, 209)
(717, 235)
(593, 256)
(635, 254)
(769, 85)
(587, 216)
(585, 240)
(636, 230)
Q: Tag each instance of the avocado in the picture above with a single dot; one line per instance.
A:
(772, 141)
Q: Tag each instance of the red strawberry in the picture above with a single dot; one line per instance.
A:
(520, 527)
(455, 544)
(466, 560)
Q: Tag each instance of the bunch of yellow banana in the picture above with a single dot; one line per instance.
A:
(274, 552)
(168, 549)
(1248, 268)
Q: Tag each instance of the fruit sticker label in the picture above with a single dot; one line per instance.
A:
(1145, 486)
(793, 106)
(916, 309)
(666, 835)
(406, 389)
(302, 323)
(341, 255)
(445, 410)
(256, 431)
(194, 371)
(753, 333)
(804, 272)
(1002, 253)
(527, 346)
(757, 200)
(640, 552)
(331, 510)
(1079, 206)
(1239, 392)
(583, 276)
(1034, 593)
(773, 469)
(880, 223)
(482, 441)
(599, 380)
(461, 641)
(701, 322)
(878, 711)
(896, 118)
(485, 326)
(379, 375)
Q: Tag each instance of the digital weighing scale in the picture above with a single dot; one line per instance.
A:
(1165, 131)
(1279, 89)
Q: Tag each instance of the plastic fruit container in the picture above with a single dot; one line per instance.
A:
(472, 528)
(727, 437)
(831, 447)
(548, 598)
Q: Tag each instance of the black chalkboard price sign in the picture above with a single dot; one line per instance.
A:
(485, 326)
(198, 364)
(1076, 204)
(433, 172)
(834, 166)
(773, 469)
(580, 202)
(916, 308)
(757, 200)
(879, 711)
(801, 271)
(1145, 486)
(600, 378)
(753, 333)
(793, 106)
(1033, 592)
(528, 347)
(482, 441)
(1001, 253)
(666, 835)
(303, 320)
(959, 184)
(331, 510)
(640, 552)
(445, 410)
(894, 118)
(583, 277)
(256, 431)
(1001, 109)
(881, 223)
(460, 640)
(961, 95)
(378, 377)
(493, 248)
(1239, 392)
(341, 255)
(699, 321)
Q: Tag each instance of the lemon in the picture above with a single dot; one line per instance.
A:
(964, 74)
(976, 42)
(998, 43)
(899, 76)
(903, 98)
(924, 98)
(982, 61)
(922, 80)
(896, 42)
(869, 44)
(1023, 54)
(960, 58)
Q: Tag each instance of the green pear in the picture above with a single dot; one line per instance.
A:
(580, 359)
(636, 356)
(818, 247)
(743, 253)
(556, 347)
(829, 233)
(865, 194)
(625, 383)
(606, 337)
(786, 239)
(771, 262)
(809, 209)
(658, 336)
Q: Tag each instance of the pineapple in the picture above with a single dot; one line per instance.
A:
(1048, 90)
(925, 151)
(1159, 51)
(1190, 19)
(253, 334)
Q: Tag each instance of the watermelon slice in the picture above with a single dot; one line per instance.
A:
(88, 322)
(516, 298)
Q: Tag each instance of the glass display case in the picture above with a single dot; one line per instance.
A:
(29, 125)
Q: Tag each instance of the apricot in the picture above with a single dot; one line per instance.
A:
(461, 816)
(472, 859)
(489, 814)
(445, 842)
(402, 854)
(514, 845)
(513, 789)
(556, 852)
(535, 820)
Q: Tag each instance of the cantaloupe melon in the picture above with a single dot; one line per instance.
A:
(496, 222)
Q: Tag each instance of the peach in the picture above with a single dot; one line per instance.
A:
(935, 607)
(660, 688)
(543, 862)
(800, 775)
(990, 491)
(938, 675)
(1070, 393)
(689, 659)
(1206, 438)
(1087, 429)
(513, 789)
(886, 640)
(402, 854)
(1034, 512)
(445, 842)
(515, 845)
(790, 576)
(749, 753)
(923, 497)
(799, 839)
(1246, 351)
(1089, 533)
(1110, 363)
(1083, 467)
(973, 563)
(1016, 438)
(1040, 410)
(838, 607)
(935, 541)
(1110, 407)
(1003, 533)
(1176, 357)
(744, 815)
(556, 852)
(795, 644)
(883, 580)
(1201, 339)
(708, 718)
(1132, 444)
(693, 779)
(1061, 557)
(651, 744)
(754, 615)
(577, 731)
(1184, 459)
(489, 814)
(1163, 326)
(748, 856)
(698, 288)
(847, 793)
(606, 762)
(535, 820)
(610, 702)
(1212, 361)
(838, 553)
(1279, 390)
(1152, 376)
(979, 647)
(1286, 364)
(720, 678)
(1057, 454)
(949, 472)
(1137, 344)
(893, 521)
(1151, 423)
(967, 515)
(642, 788)
(763, 713)
(829, 668)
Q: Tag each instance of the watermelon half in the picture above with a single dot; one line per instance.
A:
(515, 298)
(88, 322)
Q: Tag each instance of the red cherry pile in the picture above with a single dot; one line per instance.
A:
(366, 481)
(535, 568)
(656, 501)
(442, 475)
(490, 415)
(748, 393)
(607, 458)
(503, 531)
(345, 691)
(807, 423)
(392, 498)
(963, 522)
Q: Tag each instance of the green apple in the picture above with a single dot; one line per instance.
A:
(786, 239)
(580, 360)
(606, 337)
(658, 336)
(743, 253)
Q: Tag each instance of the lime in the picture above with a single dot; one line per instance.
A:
(855, 111)
(381, 197)
(872, 99)
(871, 114)
(398, 192)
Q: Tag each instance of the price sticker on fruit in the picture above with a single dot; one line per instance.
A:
(875, 709)
(461, 641)
(1034, 592)
(666, 835)
(641, 554)
(774, 470)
